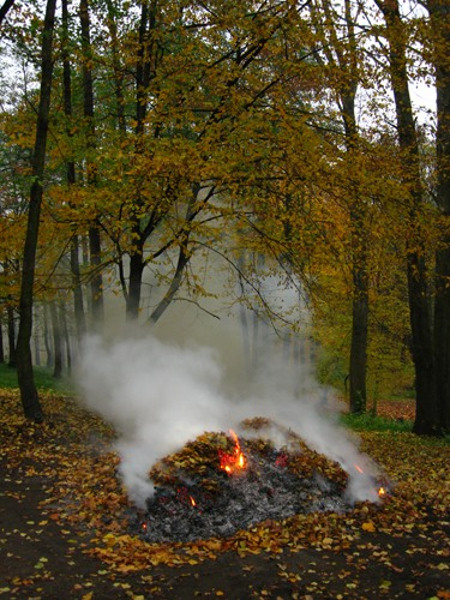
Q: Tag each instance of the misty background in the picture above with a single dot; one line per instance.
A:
(192, 373)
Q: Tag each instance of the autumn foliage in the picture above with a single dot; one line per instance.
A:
(84, 496)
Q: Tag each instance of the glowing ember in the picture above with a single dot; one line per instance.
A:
(233, 462)
(382, 492)
(193, 502)
(358, 468)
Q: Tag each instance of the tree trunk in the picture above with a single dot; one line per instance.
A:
(66, 334)
(342, 56)
(47, 342)
(12, 361)
(135, 282)
(96, 285)
(2, 352)
(143, 77)
(360, 294)
(4, 9)
(30, 400)
(37, 340)
(426, 421)
(183, 259)
(358, 349)
(57, 345)
(74, 249)
(95, 249)
(440, 26)
(118, 73)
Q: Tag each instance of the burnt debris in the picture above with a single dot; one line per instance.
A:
(197, 499)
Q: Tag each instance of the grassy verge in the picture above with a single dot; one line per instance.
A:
(367, 422)
(42, 376)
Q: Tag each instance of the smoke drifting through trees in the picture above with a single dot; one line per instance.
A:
(159, 395)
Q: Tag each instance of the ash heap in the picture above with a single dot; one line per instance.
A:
(219, 483)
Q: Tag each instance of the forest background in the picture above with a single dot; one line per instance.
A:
(231, 155)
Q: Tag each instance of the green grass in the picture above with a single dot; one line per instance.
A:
(367, 422)
(42, 376)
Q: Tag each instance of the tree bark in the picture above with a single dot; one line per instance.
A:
(66, 334)
(118, 74)
(426, 421)
(12, 361)
(2, 352)
(143, 77)
(343, 54)
(96, 283)
(47, 341)
(80, 319)
(57, 343)
(183, 259)
(29, 397)
(4, 9)
(440, 25)
(360, 318)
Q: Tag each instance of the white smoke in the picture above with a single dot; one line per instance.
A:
(159, 395)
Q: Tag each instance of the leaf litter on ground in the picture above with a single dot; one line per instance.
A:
(73, 451)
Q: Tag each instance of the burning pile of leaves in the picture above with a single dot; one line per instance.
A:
(219, 484)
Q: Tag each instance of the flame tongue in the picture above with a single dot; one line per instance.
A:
(235, 461)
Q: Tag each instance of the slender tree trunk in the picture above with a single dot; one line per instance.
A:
(12, 361)
(47, 341)
(342, 56)
(30, 400)
(96, 284)
(80, 319)
(2, 351)
(135, 282)
(183, 259)
(57, 344)
(360, 292)
(66, 334)
(426, 421)
(144, 74)
(118, 73)
(440, 26)
(360, 319)
(37, 339)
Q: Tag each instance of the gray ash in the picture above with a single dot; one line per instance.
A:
(186, 510)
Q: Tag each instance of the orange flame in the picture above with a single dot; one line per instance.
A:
(232, 462)
(382, 492)
(192, 500)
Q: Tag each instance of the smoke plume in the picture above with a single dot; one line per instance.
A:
(159, 395)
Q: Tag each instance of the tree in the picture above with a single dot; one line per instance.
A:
(426, 421)
(57, 341)
(88, 111)
(29, 396)
(440, 28)
(342, 60)
(71, 177)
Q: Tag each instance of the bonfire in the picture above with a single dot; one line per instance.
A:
(220, 483)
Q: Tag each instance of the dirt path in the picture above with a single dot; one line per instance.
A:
(39, 559)
(60, 499)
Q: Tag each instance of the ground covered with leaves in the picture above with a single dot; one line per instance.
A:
(64, 526)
